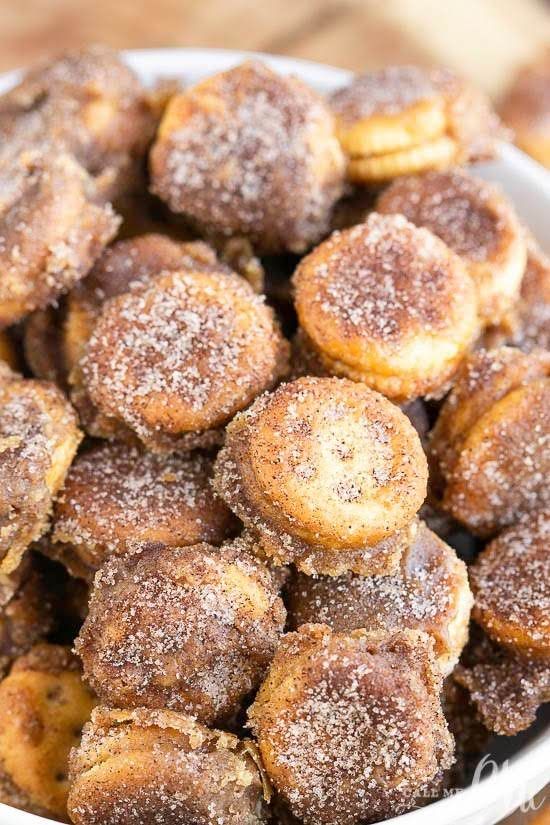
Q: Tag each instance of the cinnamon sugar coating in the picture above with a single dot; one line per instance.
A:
(472, 122)
(187, 628)
(350, 726)
(511, 584)
(123, 267)
(388, 304)
(305, 361)
(506, 689)
(44, 706)
(116, 496)
(38, 440)
(490, 444)
(53, 227)
(391, 122)
(164, 350)
(177, 357)
(160, 766)
(326, 474)
(89, 102)
(55, 338)
(388, 91)
(476, 221)
(429, 592)
(405, 119)
(249, 152)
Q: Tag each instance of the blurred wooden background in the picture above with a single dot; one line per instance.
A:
(485, 39)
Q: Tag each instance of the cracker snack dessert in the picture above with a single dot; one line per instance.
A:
(406, 119)
(274, 446)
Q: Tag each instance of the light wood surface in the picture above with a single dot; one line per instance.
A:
(485, 39)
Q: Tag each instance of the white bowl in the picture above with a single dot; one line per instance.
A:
(520, 766)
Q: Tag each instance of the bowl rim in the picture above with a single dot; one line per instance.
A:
(516, 780)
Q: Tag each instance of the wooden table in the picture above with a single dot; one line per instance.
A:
(485, 39)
